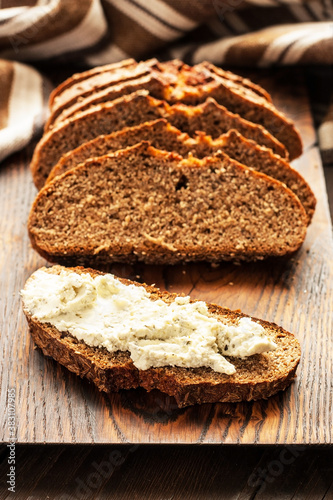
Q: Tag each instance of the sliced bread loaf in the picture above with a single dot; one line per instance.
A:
(132, 110)
(162, 135)
(143, 204)
(244, 102)
(193, 85)
(154, 84)
(98, 81)
(88, 82)
(257, 376)
(244, 82)
(79, 77)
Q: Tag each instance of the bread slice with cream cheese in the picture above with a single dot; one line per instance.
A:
(254, 376)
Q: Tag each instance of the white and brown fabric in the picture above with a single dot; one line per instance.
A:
(23, 98)
(92, 32)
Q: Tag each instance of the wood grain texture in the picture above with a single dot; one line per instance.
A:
(119, 472)
(54, 406)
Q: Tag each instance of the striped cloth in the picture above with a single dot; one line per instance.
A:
(23, 99)
(93, 32)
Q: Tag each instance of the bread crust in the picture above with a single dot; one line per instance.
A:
(257, 377)
(105, 78)
(153, 83)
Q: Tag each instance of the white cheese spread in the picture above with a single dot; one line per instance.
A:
(104, 312)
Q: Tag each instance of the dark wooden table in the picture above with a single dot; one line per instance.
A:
(209, 471)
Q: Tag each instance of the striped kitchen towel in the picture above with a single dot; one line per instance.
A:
(92, 32)
(23, 99)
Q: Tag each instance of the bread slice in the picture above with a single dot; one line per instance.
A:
(79, 77)
(158, 78)
(152, 83)
(159, 133)
(143, 204)
(193, 85)
(264, 160)
(132, 110)
(244, 82)
(84, 84)
(96, 82)
(214, 119)
(246, 103)
(162, 135)
(256, 377)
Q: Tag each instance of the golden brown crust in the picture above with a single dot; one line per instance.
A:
(245, 82)
(85, 84)
(257, 377)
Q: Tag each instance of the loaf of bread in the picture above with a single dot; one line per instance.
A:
(80, 77)
(79, 84)
(171, 160)
(254, 377)
(182, 83)
(143, 204)
(134, 109)
(87, 84)
(164, 136)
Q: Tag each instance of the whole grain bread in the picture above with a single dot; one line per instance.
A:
(264, 160)
(159, 133)
(132, 110)
(79, 77)
(162, 135)
(244, 82)
(257, 377)
(143, 204)
(98, 78)
(82, 89)
(158, 78)
(243, 101)
(193, 85)
(154, 84)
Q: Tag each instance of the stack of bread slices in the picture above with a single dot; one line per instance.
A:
(162, 162)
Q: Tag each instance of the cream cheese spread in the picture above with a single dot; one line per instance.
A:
(104, 312)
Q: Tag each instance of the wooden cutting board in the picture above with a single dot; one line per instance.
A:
(54, 406)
